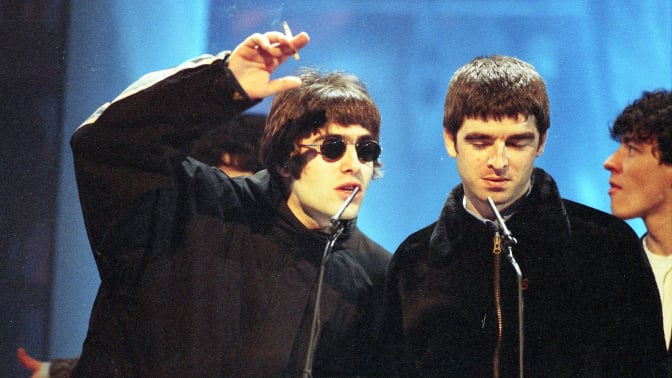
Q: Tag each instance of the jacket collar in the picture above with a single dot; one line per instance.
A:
(269, 189)
(541, 215)
(310, 244)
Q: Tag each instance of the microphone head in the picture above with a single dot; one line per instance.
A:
(500, 222)
(337, 216)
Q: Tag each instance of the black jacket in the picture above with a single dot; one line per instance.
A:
(583, 297)
(203, 275)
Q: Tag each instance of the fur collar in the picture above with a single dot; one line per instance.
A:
(542, 216)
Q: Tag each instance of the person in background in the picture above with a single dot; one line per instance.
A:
(452, 293)
(233, 148)
(207, 275)
(641, 187)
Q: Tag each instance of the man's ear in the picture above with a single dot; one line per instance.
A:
(449, 140)
(542, 144)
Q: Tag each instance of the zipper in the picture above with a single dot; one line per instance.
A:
(497, 252)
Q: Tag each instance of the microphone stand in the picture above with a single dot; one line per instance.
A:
(509, 241)
(336, 231)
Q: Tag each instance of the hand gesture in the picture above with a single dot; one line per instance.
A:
(39, 369)
(255, 59)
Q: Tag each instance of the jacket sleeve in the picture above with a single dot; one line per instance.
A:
(137, 143)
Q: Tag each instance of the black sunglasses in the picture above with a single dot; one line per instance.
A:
(334, 149)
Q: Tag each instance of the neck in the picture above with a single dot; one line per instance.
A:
(306, 220)
(657, 245)
(658, 231)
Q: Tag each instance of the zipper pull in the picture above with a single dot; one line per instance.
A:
(497, 244)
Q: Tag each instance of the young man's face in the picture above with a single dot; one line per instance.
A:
(640, 187)
(324, 184)
(495, 159)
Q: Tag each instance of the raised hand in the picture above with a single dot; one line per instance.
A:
(254, 60)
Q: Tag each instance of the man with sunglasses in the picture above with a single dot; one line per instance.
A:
(207, 275)
(457, 304)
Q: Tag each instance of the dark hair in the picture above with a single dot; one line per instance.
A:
(322, 98)
(648, 120)
(239, 138)
(496, 86)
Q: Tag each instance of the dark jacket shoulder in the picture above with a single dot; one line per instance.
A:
(412, 248)
(596, 218)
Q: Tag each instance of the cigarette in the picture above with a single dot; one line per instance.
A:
(288, 33)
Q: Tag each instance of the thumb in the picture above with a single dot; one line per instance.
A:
(283, 84)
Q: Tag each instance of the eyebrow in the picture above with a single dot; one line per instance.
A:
(478, 136)
(483, 136)
(359, 138)
(522, 136)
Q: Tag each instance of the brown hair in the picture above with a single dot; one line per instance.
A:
(496, 87)
(322, 98)
(648, 120)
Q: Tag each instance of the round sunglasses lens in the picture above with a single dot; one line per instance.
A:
(333, 149)
(368, 151)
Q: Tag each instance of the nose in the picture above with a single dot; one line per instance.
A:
(499, 159)
(350, 161)
(612, 162)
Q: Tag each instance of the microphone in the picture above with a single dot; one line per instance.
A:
(510, 240)
(500, 222)
(337, 217)
(336, 230)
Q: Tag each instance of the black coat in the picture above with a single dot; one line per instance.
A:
(203, 275)
(584, 296)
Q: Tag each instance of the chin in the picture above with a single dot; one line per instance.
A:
(623, 215)
(350, 213)
(497, 196)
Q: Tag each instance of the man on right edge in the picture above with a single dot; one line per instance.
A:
(452, 295)
(641, 187)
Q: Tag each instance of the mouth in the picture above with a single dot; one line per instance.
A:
(495, 182)
(346, 189)
(613, 188)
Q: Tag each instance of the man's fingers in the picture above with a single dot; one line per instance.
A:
(282, 84)
(300, 41)
(277, 44)
(27, 361)
(254, 61)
